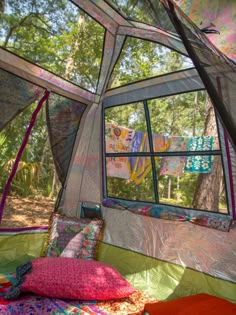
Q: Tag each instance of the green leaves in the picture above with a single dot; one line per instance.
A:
(55, 35)
(142, 59)
(36, 168)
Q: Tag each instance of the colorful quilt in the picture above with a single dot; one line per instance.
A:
(30, 304)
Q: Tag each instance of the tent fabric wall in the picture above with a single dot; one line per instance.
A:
(171, 252)
(139, 264)
(219, 15)
(206, 250)
(91, 188)
(71, 197)
(20, 245)
(232, 178)
(169, 84)
(163, 280)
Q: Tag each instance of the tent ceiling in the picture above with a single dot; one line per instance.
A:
(154, 34)
(58, 36)
(81, 41)
(172, 83)
(44, 78)
(60, 29)
(153, 60)
(146, 11)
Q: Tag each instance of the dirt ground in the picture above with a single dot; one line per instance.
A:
(25, 212)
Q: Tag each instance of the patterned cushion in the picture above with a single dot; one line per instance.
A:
(72, 237)
(73, 278)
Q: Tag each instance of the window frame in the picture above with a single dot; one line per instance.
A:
(152, 155)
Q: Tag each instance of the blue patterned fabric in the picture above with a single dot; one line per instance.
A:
(199, 163)
(15, 289)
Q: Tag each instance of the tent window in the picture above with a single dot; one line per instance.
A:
(63, 119)
(30, 201)
(142, 59)
(166, 151)
(43, 166)
(146, 11)
(54, 35)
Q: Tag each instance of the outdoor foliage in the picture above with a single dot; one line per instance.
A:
(55, 35)
(35, 172)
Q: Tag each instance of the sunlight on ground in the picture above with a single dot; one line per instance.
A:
(23, 212)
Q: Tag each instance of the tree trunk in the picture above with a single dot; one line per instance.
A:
(70, 62)
(54, 185)
(194, 113)
(207, 193)
(2, 6)
(169, 187)
(178, 192)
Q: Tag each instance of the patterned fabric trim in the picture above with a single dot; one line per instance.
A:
(210, 220)
(15, 289)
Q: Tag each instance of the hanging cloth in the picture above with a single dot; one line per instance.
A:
(200, 163)
(141, 166)
(118, 140)
(20, 152)
(174, 165)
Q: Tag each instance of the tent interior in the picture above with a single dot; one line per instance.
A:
(139, 110)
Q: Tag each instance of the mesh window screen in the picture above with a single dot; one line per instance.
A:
(217, 72)
(16, 95)
(63, 117)
(146, 11)
(57, 36)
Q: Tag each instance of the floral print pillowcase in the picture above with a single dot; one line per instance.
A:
(74, 237)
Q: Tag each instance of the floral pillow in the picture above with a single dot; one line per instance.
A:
(70, 278)
(72, 237)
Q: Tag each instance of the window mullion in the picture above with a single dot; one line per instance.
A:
(149, 131)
